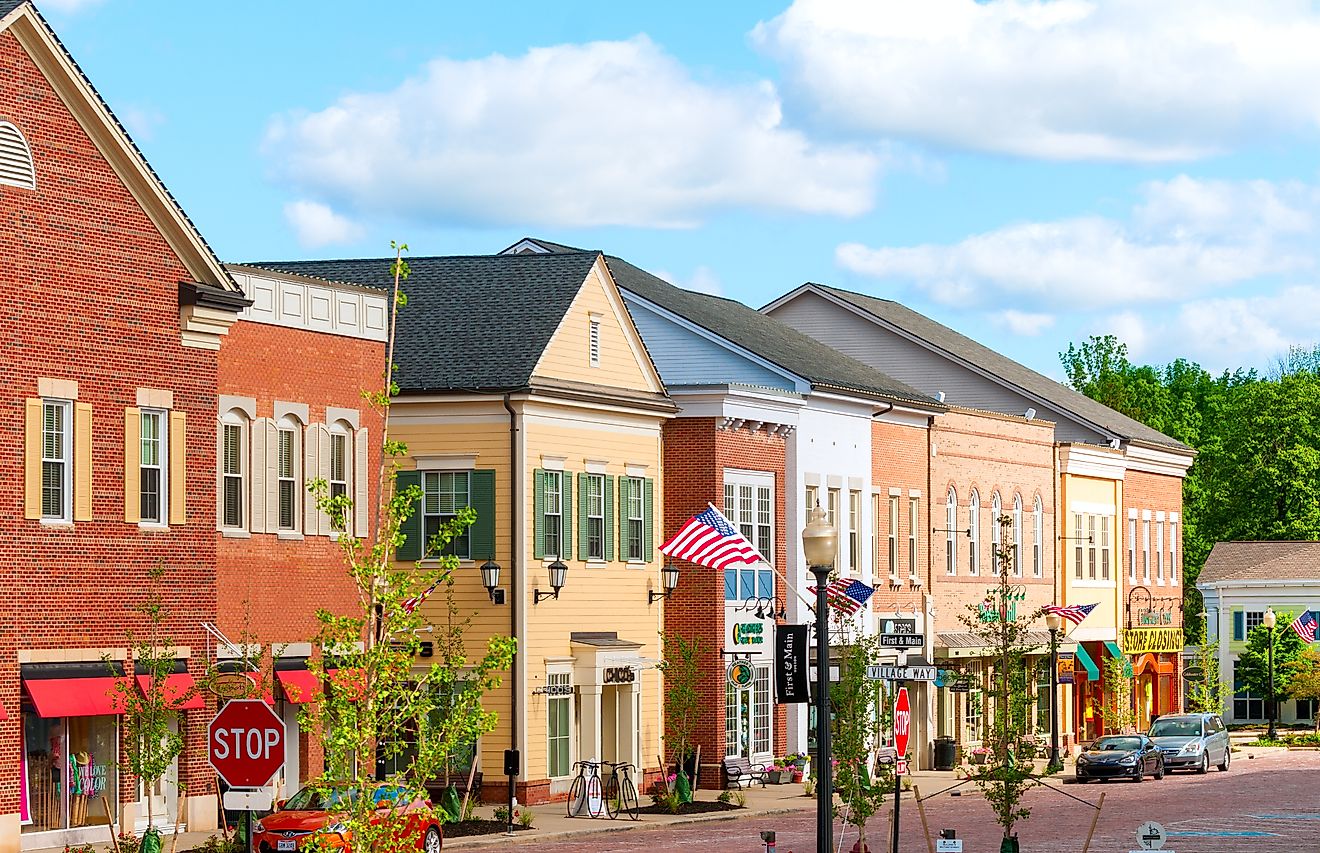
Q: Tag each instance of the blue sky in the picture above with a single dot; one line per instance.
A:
(1028, 173)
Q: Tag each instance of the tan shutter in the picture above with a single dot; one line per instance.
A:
(82, 461)
(178, 468)
(257, 473)
(132, 465)
(32, 459)
(311, 465)
(361, 484)
(323, 472)
(272, 477)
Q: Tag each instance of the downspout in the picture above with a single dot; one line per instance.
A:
(516, 585)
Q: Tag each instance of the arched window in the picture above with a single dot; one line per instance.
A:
(16, 169)
(951, 532)
(288, 474)
(338, 468)
(234, 437)
(1017, 535)
(996, 534)
(974, 533)
(1037, 539)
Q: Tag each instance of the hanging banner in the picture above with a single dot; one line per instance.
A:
(1066, 662)
(791, 664)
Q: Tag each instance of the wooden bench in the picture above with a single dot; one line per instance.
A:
(741, 773)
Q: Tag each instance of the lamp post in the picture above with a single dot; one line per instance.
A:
(1054, 622)
(1268, 622)
(819, 545)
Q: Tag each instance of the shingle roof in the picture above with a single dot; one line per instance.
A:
(7, 6)
(478, 322)
(960, 346)
(767, 337)
(1265, 561)
(548, 245)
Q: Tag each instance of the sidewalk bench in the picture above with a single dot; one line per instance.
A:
(741, 773)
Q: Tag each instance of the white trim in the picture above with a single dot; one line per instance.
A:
(595, 466)
(311, 304)
(1132, 513)
(296, 411)
(636, 469)
(1145, 515)
(155, 398)
(448, 462)
(62, 389)
(1159, 515)
(1090, 461)
(1091, 508)
(1149, 460)
(247, 405)
(352, 417)
(914, 493)
(553, 463)
(895, 492)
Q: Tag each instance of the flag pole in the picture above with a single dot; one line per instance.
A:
(777, 570)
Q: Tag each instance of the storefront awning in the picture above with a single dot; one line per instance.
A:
(255, 678)
(75, 697)
(1114, 650)
(299, 685)
(1084, 658)
(180, 691)
(3, 715)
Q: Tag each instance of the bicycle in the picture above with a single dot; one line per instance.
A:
(621, 794)
(586, 790)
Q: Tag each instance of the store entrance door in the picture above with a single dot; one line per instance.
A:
(160, 800)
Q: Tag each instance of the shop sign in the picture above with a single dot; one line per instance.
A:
(960, 687)
(619, 675)
(740, 674)
(898, 626)
(1140, 641)
(554, 690)
(1151, 618)
(748, 634)
(230, 685)
(791, 664)
(1067, 661)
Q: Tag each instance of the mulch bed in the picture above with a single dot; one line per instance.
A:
(696, 807)
(466, 828)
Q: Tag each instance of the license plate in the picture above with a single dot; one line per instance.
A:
(286, 844)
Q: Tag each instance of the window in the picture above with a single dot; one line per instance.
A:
(1245, 706)
(553, 514)
(1132, 550)
(1017, 535)
(761, 710)
(813, 497)
(855, 530)
(750, 506)
(972, 719)
(286, 473)
(832, 516)
(732, 699)
(633, 536)
(151, 465)
(893, 535)
(231, 473)
(56, 446)
(1145, 550)
(950, 532)
(1090, 547)
(1159, 552)
(559, 708)
(1253, 620)
(1043, 697)
(16, 169)
(996, 533)
(974, 533)
(595, 520)
(1173, 550)
(876, 509)
(1104, 547)
(1037, 538)
(1079, 542)
(914, 511)
(1305, 709)
(444, 493)
(338, 464)
(594, 344)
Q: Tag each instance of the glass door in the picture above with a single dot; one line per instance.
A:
(158, 803)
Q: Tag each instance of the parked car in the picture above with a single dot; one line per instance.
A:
(318, 810)
(1192, 741)
(1120, 757)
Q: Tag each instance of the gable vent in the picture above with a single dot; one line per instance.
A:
(16, 168)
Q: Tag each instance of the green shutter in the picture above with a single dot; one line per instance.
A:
(648, 520)
(566, 508)
(1239, 626)
(411, 528)
(623, 518)
(482, 533)
(538, 513)
(609, 518)
(584, 544)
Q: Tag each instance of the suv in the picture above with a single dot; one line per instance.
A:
(1192, 741)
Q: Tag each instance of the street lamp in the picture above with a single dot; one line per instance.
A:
(820, 542)
(1054, 622)
(1268, 622)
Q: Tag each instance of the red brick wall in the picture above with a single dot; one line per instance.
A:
(89, 292)
(899, 460)
(1155, 493)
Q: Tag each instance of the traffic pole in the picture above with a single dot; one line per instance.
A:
(898, 781)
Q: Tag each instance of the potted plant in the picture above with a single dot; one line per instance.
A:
(980, 755)
(778, 774)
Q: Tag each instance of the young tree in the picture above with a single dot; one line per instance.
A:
(1207, 694)
(381, 710)
(1254, 662)
(681, 668)
(855, 701)
(1117, 706)
(1304, 680)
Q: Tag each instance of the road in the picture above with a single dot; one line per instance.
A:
(1270, 803)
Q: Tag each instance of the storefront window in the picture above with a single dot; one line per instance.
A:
(761, 708)
(558, 710)
(1043, 696)
(69, 764)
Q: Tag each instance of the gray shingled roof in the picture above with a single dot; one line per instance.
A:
(1263, 561)
(7, 6)
(479, 322)
(770, 339)
(961, 347)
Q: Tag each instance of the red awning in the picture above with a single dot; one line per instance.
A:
(74, 697)
(180, 691)
(351, 680)
(256, 682)
(3, 715)
(299, 685)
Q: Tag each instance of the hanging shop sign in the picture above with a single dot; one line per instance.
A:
(740, 674)
(1067, 660)
(791, 664)
(894, 625)
(1140, 641)
(230, 685)
(618, 675)
(748, 633)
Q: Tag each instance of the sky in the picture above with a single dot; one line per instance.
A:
(1028, 173)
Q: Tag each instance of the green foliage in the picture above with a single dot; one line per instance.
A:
(1254, 665)
(681, 668)
(216, 844)
(150, 744)
(666, 798)
(1119, 717)
(1303, 674)
(855, 735)
(1208, 694)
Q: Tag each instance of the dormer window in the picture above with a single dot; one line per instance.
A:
(16, 169)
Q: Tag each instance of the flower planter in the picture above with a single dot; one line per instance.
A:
(779, 777)
(980, 757)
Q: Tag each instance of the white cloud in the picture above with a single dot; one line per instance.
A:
(606, 133)
(316, 225)
(1126, 80)
(702, 280)
(1022, 323)
(141, 121)
(1186, 239)
(1130, 328)
(1230, 332)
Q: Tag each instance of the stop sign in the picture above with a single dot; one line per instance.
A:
(902, 721)
(246, 743)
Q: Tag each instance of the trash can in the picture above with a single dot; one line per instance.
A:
(946, 753)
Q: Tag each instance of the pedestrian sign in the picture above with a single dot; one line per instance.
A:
(1150, 836)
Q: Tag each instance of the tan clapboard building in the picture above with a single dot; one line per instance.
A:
(527, 394)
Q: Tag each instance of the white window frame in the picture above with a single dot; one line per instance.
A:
(294, 430)
(161, 466)
(596, 514)
(1145, 550)
(893, 536)
(855, 530)
(763, 729)
(951, 533)
(1092, 549)
(974, 533)
(64, 459)
(1079, 547)
(1017, 535)
(344, 484)
(239, 423)
(832, 501)
(1132, 549)
(559, 679)
(1038, 538)
(552, 513)
(996, 542)
(914, 522)
(431, 487)
(1106, 552)
(1159, 552)
(1173, 552)
(634, 535)
(875, 531)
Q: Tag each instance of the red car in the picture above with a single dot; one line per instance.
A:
(312, 811)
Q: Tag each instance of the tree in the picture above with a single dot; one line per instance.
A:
(1010, 772)
(1117, 707)
(1207, 694)
(1304, 680)
(380, 710)
(855, 701)
(1253, 663)
(681, 668)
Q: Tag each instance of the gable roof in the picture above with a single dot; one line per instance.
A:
(1265, 561)
(109, 136)
(472, 322)
(532, 244)
(960, 348)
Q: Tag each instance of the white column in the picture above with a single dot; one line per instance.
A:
(589, 729)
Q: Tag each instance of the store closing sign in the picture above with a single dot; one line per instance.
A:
(791, 664)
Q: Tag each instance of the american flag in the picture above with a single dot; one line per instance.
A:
(846, 595)
(1074, 613)
(412, 603)
(1305, 626)
(709, 539)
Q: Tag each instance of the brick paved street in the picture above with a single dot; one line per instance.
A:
(1266, 804)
